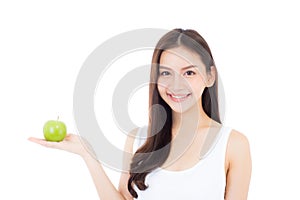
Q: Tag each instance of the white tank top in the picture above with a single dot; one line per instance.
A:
(204, 181)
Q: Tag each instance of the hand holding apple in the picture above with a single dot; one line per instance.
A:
(54, 130)
(55, 134)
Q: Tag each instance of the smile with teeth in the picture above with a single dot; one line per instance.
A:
(178, 97)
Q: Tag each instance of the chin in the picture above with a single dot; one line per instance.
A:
(180, 110)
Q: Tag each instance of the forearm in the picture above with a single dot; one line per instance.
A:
(106, 190)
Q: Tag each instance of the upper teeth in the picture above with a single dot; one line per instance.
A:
(178, 97)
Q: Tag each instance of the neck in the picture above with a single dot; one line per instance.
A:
(193, 119)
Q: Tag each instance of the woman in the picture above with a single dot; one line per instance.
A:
(188, 153)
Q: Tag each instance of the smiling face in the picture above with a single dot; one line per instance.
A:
(182, 79)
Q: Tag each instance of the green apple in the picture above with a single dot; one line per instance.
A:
(54, 130)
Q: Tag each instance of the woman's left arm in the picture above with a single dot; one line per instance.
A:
(239, 167)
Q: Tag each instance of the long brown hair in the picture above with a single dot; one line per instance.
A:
(146, 158)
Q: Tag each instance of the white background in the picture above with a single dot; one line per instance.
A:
(44, 43)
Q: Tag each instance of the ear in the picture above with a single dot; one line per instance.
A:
(211, 76)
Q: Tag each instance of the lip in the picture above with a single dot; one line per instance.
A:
(178, 97)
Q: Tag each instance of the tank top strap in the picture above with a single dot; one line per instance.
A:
(223, 141)
(218, 150)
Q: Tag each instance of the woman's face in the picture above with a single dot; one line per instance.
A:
(182, 78)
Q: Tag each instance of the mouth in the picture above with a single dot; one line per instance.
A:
(178, 97)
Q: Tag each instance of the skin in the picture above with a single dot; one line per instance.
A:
(186, 84)
(179, 80)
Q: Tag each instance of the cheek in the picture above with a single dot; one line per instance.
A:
(161, 85)
(197, 86)
(161, 89)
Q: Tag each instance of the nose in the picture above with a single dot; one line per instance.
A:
(178, 82)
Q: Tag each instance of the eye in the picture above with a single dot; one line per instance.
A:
(189, 73)
(164, 73)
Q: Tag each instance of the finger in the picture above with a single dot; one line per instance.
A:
(39, 140)
(43, 142)
(36, 140)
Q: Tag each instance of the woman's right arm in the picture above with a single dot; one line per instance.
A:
(103, 184)
(106, 190)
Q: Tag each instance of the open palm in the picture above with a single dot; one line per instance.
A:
(72, 143)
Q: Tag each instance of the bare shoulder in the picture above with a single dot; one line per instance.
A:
(130, 140)
(239, 166)
(128, 148)
(238, 145)
(238, 139)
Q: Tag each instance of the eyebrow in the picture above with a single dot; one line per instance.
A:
(184, 68)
